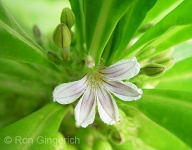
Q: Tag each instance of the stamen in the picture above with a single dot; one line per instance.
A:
(94, 79)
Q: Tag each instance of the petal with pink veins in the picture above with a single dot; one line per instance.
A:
(123, 90)
(124, 69)
(107, 106)
(85, 109)
(68, 92)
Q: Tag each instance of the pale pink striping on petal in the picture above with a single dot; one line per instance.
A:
(124, 69)
(107, 107)
(85, 109)
(68, 92)
(123, 90)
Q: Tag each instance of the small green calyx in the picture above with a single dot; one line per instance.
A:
(62, 36)
(67, 17)
(152, 70)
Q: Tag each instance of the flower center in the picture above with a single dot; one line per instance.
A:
(94, 79)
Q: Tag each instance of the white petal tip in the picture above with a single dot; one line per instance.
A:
(138, 97)
(83, 124)
(112, 122)
(79, 125)
(140, 91)
(134, 59)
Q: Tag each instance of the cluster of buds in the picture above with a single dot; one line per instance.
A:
(157, 64)
(62, 34)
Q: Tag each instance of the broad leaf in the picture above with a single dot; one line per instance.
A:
(143, 133)
(29, 132)
(170, 109)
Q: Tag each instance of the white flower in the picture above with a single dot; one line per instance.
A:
(95, 88)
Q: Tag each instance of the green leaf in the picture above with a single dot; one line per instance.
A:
(101, 19)
(16, 44)
(174, 19)
(160, 10)
(128, 25)
(77, 7)
(25, 71)
(170, 109)
(179, 77)
(142, 131)
(172, 38)
(32, 131)
(182, 51)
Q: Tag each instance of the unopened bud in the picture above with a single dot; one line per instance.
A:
(117, 137)
(146, 52)
(166, 53)
(53, 57)
(152, 70)
(90, 62)
(67, 17)
(62, 36)
(167, 62)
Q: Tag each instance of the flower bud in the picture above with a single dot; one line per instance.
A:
(167, 62)
(67, 17)
(163, 54)
(53, 57)
(152, 70)
(62, 36)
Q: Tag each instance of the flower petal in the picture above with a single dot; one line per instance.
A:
(123, 90)
(85, 109)
(124, 69)
(68, 92)
(107, 107)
